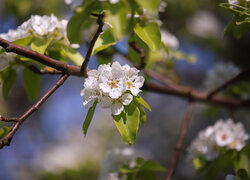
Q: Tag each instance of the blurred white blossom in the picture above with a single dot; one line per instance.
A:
(169, 39)
(109, 85)
(113, 162)
(204, 24)
(220, 74)
(222, 134)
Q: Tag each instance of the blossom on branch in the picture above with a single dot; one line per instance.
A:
(224, 134)
(113, 86)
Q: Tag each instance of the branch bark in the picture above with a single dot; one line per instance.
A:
(180, 141)
(7, 139)
(84, 67)
(242, 75)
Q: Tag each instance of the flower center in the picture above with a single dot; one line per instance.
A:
(113, 84)
(130, 84)
(224, 137)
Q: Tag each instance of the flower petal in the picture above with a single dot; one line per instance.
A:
(117, 108)
(126, 99)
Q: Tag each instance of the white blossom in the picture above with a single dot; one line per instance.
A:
(112, 85)
(223, 134)
(169, 39)
(114, 160)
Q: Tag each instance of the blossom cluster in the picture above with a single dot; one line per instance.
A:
(223, 134)
(112, 85)
(39, 26)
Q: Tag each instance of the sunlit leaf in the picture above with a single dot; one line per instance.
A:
(143, 115)
(150, 5)
(40, 45)
(104, 41)
(73, 55)
(32, 83)
(23, 42)
(128, 123)
(89, 118)
(143, 102)
(150, 34)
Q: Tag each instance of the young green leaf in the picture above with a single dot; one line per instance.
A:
(116, 17)
(143, 115)
(89, 118)
(72, 54)
(31, 82)
(143, 102)
(40, 45)
(9, 77)
(151, 165)
(127, 123)
(23, 42)
(4, 130)
(150, 34)
(150, 5)
(104, 41)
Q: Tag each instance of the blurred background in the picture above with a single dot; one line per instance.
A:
(51, 145)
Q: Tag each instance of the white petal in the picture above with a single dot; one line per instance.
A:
(115, 93)
(134, 91)
(139, 81)
(106, 102)
(105, 87)
(126, 99)
(93, 73)
(117, 108)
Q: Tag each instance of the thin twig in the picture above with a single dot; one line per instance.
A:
(242, 75)
(61, 66)
(180, 141)
(7, 139)
(84, 67)
(141, 51)
(8, 119)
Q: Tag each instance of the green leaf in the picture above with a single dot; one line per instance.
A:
(242, 162)
(127, 123)
(4, 130)
(72, 54)
(230, 26)
(23, 42)
(151, 165)
(89, 118)
(143, 115)
(104, 41)
(150, 5)
(143, 102)
(40, 45)
(150, 34)
(116, 17)
(9, 77)
(81, 20)
(243, 174)
(31, 82)
(180, 56)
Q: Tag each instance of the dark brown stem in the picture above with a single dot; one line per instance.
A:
(198, 96)
(84, 67)
(180, 141)
(141, 51)
(241, 76)
(7, 139)
(8, 119)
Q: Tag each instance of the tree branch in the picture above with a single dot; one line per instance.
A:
(7, 139)
(61, 66)
(242, 75)
(84, 67)
(198, 96)
(180, 141)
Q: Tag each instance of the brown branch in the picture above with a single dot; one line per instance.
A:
(241, 76)
(61, 66)
(198, 96)
(84, 67)
(43, 71)
(8, 119)
(7, 139)
(180, 141)
(141, 51)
